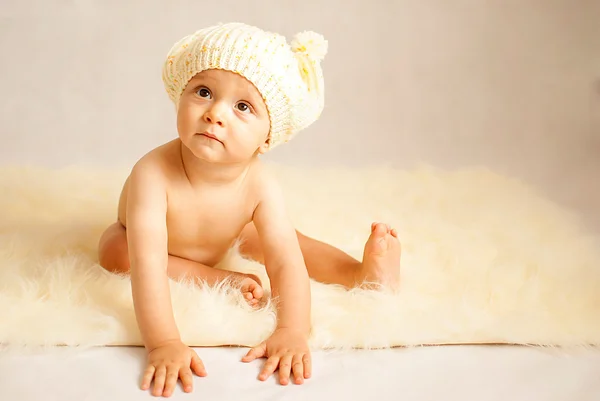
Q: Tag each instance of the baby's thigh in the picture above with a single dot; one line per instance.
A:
(112, 249)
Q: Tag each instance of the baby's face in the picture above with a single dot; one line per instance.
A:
(222, 117)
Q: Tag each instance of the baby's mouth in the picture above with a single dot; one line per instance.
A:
(209, 135)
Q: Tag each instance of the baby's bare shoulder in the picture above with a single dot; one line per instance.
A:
(266, 187)
(159, 164)
(147, 183)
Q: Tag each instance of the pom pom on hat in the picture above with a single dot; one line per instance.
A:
(310, 43)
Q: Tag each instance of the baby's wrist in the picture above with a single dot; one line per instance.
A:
(151, 346)
(297, 329)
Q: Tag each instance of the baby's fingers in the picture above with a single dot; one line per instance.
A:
(171, 381)
(298, 369)
(147, 378)
(159, 380)
(197, 365)
(285, 366)
(256, 352)
(306, 360)
(269, 368)
(187, 379)
(257, 291)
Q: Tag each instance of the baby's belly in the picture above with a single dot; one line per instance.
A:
(206, 256)
(209, 248)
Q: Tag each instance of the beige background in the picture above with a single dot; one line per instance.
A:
(510, 84)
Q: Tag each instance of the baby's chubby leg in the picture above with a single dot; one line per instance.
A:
(330, 265)
(114, 257)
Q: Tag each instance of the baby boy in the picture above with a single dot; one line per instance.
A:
(239, 91)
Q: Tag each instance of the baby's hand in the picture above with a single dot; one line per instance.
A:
(169, 362)
(287, 349)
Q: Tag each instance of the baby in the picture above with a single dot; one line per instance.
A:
(239, 92)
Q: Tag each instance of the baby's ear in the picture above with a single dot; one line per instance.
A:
(264, 148)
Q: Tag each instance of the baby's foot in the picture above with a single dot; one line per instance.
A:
(251, 288)
(381, 258)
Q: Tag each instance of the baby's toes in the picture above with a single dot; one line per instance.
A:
(380, 230)
(389, 242)
(393, 243)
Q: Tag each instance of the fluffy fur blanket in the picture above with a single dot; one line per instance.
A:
(486, 259)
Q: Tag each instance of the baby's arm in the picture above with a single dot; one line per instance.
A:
(168, 357)
(287, 347)
(148, 255)
(283, 260)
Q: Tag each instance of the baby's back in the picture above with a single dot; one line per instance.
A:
(203, 220)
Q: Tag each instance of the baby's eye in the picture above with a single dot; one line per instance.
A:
(203, 92)
(243, 107)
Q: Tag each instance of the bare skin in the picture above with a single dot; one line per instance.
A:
(324, 262)
(185, 204)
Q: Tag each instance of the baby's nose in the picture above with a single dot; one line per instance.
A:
(213, 118)
(214, 115)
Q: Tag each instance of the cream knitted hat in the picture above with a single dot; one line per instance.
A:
(289, 77)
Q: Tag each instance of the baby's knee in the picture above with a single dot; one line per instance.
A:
(112, 249)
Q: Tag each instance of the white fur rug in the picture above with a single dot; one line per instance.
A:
(485, 260)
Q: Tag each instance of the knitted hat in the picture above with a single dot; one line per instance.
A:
(289, 77)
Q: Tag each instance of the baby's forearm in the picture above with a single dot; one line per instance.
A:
(152, 303)
(291, 286)
(283, 260)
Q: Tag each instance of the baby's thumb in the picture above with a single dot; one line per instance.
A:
(197, 365)
(256, 352)
(258, 292)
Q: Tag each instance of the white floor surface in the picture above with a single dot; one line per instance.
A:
(448, 373)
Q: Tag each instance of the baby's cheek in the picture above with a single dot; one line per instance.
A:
(182, 118)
